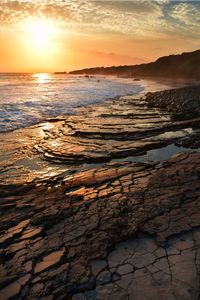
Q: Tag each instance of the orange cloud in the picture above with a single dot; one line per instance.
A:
(99, 32)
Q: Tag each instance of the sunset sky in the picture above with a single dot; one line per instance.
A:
(62, 35)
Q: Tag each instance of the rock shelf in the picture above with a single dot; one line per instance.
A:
(78, 220)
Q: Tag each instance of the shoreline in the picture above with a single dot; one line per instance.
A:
(149, 85)
(23, 108)
(80, 221)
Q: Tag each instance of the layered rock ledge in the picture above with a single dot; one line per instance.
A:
(85, 215)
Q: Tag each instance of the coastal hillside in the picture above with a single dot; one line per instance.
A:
(185, 65)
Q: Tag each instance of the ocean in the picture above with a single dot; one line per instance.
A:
(27, 99)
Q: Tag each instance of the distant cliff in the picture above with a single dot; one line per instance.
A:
(185, 65)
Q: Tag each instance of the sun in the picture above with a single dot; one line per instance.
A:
(41, 42)
(40, 33)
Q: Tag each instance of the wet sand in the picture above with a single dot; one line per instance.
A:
(89, 210)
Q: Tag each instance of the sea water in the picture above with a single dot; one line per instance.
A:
(27, 99)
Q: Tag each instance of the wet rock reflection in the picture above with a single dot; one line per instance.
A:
(74, 204)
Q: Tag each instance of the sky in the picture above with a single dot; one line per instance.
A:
(63, 35)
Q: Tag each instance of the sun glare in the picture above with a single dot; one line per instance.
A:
(40, 34)
(41, 43)
(41, 77)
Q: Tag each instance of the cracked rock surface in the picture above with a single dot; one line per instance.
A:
(81, 219)
(141, 269)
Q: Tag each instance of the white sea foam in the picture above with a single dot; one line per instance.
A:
(26, 99)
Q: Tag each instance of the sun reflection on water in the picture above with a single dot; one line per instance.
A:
(41, 77)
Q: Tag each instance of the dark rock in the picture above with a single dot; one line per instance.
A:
(60, 221)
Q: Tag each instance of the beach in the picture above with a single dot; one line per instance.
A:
(104, 203)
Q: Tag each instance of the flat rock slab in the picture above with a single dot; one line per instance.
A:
(96, 134)
(170, 272)
(60, 233)
(73, 207)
